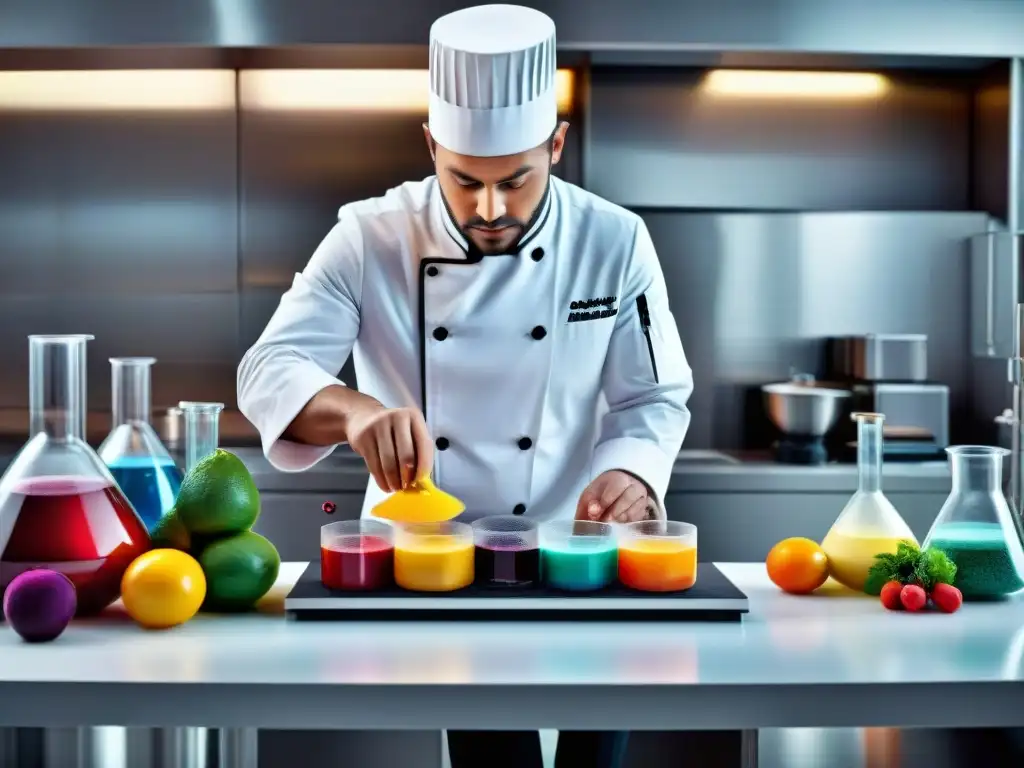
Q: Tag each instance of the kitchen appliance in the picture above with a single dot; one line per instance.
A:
(880, 357)
(887, 373)
(804, 411)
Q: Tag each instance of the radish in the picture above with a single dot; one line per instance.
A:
(913, 597)
(891, 596)
(947, 598)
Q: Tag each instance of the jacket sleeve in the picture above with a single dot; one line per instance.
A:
(305, 345)
(646, 379)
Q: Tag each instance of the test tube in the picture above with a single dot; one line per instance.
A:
(202, 430)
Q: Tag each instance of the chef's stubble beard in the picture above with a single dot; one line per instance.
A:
(513, 247)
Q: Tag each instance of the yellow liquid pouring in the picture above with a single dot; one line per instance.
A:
(421, 502)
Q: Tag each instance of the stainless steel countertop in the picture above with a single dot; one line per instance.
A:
(694, 472)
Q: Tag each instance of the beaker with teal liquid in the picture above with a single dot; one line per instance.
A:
(138, 460)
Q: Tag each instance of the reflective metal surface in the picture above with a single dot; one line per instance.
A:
(922, 27)
(122, 224)
(666, 138)
(755, 295)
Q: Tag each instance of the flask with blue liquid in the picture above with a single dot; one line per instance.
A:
(134, 454)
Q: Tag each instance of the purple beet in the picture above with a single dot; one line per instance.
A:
(39, 604)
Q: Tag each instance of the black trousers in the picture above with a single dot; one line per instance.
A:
(521, 749)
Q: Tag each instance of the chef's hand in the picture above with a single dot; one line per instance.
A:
(394, 443)
(614, 497)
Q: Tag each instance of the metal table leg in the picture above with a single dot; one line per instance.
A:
(183, 748)
(239, 748)
(748, 749)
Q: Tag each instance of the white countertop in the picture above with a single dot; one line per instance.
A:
(793, 661)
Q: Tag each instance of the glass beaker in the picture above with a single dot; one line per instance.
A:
(434, 557)
(507, 551)
(578, 555)
(132, 451)
(658, 555)
(202, 430)
(357, 555)
(976, 528)
(60, 507)
(869, 524)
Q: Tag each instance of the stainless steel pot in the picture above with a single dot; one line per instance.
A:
(803, 407)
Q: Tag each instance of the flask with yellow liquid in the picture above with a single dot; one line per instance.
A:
(869, 524)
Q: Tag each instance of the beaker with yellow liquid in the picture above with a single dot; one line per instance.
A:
(869, 524)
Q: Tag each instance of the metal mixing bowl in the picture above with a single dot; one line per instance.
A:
(803, 408)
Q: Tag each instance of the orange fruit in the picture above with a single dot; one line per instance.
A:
(797, 565)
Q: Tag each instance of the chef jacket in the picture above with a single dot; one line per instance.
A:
(535, 372)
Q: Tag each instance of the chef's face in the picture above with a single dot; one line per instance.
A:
(493, 199)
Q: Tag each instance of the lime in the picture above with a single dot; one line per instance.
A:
(218, 496)
(163, 588)
(240, 569)
(169, 531)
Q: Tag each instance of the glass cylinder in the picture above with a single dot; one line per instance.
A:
(357, 555)
(434, 557)
(202, 430)
(976, 528)
(507, 551)
(130, 389)
(869, 451)
(138, 460)
(59, 505)
(658, 555)
(57, 396)
(869, 524)
(578, 555)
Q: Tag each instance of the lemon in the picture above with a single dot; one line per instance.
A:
(163, 588)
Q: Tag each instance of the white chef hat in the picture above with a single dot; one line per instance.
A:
(492, 80)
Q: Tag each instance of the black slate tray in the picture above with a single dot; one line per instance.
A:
(712, 598)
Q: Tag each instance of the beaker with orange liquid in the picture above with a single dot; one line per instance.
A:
(658, 555)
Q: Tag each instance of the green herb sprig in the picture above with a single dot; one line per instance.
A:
(910, 565)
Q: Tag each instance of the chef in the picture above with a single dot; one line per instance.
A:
(511, 332)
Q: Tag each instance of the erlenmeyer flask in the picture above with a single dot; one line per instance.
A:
(202, 430)
(869, 524)
(132, 451)
(59, 505)
(976, 528)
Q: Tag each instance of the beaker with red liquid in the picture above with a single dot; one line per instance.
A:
(357, 555)
(60, 507)
(507, 551)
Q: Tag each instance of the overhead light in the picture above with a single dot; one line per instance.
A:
(361, 90)
(118, 90)
(792, 84)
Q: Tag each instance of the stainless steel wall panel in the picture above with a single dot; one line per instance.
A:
(754, 295)
(193, 336)
(299, 168)
(660, 140)
(122, 223)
